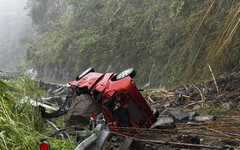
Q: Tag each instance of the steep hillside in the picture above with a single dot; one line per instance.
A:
(168, 42)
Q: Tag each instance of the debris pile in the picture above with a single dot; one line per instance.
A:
(207, 113)
(202, 116)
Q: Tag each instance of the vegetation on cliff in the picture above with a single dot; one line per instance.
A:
(168, 42)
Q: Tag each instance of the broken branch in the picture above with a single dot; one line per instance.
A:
(168, 143)
(202, 98)
(151, 99)
(214, 79)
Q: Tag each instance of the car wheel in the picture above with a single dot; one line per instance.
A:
(85, 73)
(129, 72)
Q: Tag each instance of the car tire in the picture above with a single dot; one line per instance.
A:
(129, 72)
(85, 73)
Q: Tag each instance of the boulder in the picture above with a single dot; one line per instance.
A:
(164, 123)
(81, 110)
(179, 115)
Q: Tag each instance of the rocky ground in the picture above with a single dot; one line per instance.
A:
(203, 116)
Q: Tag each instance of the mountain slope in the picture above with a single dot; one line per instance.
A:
(168, 42)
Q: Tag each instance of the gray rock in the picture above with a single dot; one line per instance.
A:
(164, 123)
(126, 143)
(207, 118)
(81, 110)
(179, 115)
(191, 115)
(196, 107)
(228, 105)
(167, 104)
(225, 147)
(230, 142)
(190, 138)
(114, 138)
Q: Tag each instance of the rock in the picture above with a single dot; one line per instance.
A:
(225, 147)
(207, 118)
(167, 104)
(126, 143)
(228, 105)
(230, 142)
(196, 107)
(190, 138)
(191, 115)
(114, 138)
(179, 115)
(164, 123)
(81, 110)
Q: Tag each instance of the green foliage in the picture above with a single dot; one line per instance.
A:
(214, 109)
(174, 39)
(56, 144)
(21, 124)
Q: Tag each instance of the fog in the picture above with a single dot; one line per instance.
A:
(15, 26)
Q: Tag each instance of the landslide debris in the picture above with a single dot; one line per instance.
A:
(194, 116)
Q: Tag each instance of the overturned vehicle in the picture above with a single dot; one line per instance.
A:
(117, 96)
(106, 101)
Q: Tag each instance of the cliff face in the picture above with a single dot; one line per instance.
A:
(168, 42)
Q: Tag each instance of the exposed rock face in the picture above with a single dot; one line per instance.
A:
(81, 110)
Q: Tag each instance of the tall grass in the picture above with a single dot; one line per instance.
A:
(19, 122)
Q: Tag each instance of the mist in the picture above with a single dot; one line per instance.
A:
(15, 26)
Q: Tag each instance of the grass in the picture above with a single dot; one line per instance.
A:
(214, 109)
(21, 124)
(217, 109)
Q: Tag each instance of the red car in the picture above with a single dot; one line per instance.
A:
(122, 103)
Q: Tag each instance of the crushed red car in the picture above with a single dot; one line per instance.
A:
(122, 103)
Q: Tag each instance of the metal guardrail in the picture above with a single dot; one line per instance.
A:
(100, 135)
